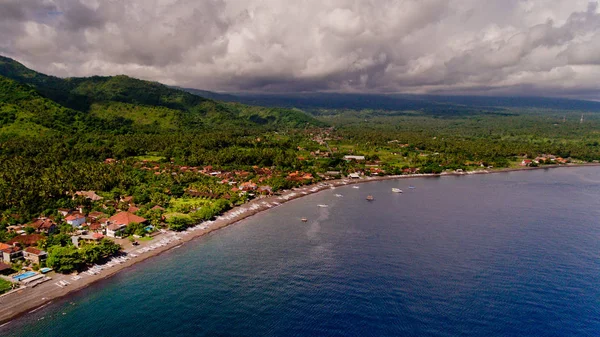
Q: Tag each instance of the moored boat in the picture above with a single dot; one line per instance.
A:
(370, 198)
(304, 219)
(396, 190)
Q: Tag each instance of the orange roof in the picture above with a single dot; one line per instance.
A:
(74, 216)
(32, 250)
(125, 218)
(26, 240)
(95, 226)
(11, 249)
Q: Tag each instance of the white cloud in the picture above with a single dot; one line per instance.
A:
(507, 46)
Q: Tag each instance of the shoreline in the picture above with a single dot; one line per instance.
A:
(29, 300)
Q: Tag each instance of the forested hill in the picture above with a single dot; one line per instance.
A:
(428, 104)
(31, 102)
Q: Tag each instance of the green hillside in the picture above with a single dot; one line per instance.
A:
(25, 112)
(120, 104)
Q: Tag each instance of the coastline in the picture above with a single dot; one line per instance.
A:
(28, 300)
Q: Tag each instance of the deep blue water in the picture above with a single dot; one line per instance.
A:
(515, 254)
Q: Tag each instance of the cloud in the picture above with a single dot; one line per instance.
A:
(537, 47)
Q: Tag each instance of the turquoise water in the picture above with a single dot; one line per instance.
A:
(513, 254)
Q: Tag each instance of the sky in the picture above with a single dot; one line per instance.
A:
(491, 47)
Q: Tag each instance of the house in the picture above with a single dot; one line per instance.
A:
(248, 186)
(95, 227)
(95, 215)
(91, 195)
(356, 158)
(354, 176)
(75, 219)
(15, 229)
(157, 208)
(34, 255)
(64, 211)
(88, 238)
(5, 269)
(115, 230)
(526, 162)
(10, 253)
(43, 225)
(133, 209)
(26, 240)
(265, 189)
(120, 221)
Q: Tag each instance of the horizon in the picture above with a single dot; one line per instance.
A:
(299, 93)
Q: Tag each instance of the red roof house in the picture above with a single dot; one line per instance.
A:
(125, 218)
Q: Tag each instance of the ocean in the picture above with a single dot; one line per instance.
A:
(509, 254)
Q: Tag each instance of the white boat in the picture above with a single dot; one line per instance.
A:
(396, 190)
(355, 187)
(339, 195)
(323, 206)
(411, 187)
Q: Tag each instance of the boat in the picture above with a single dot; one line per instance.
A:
(370, 198)
(304, 219)
(323, 206)
(396, 190)
(355, 187)
(411, 187)
(339, 195)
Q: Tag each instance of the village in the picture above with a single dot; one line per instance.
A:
(59, 242)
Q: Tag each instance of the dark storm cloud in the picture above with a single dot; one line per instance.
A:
(452, 46)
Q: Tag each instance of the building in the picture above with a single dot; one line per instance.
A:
(354, 176)
(86, 239)
(526, 162)
(34, 255)
(26, 240)
(95, 215)
(115, 230)
(64, 211)
(118, 222)
(265, 190)
(75, 219)
(248, 186)
(91, 195)
(43, 225)
(10, 253)
(5, 269)
(357, 158)
(133, 209)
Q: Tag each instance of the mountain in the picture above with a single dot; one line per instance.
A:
(428, 104)
(31, 102)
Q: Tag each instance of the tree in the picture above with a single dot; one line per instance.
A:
(63, 259)
(179, 223)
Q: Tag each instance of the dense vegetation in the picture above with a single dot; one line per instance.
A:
(66, 258)
(5, 286)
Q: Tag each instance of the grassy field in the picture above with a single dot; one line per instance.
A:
(5, 286)
(185, 205)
